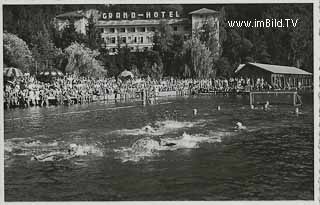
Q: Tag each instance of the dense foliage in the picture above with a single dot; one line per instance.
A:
(31, 42)
(16, 52)
(81, 60)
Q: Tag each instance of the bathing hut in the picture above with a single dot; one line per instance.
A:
(281, 77)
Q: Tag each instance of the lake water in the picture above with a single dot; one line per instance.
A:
(119, 157)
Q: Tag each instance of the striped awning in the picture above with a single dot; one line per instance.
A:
(12, 72)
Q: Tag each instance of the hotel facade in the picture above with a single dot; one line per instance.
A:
(137, 30)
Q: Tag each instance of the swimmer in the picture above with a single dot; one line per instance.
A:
(52, 156)
(219, 108)
(148, 128)
(32, 143)
(239, 126)
(164, 143)
(297, 111)
(168, 144)
(195, 111)
(57, 156)
(266, 106)
(72, 149)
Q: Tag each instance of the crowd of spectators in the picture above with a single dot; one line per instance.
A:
(28, 91)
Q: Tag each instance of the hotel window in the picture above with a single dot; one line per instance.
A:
(175, 28)
(123, 39)
(135, 40)
(141, 39)
(113, 50)
(112, 30)
(122, 30)
(113, 40)
(132, 30)
(142, 29)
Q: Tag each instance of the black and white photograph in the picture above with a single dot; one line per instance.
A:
(160, 102)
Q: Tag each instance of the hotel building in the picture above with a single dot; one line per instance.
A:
(136, 30)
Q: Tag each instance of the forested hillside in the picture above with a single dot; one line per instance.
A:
(29, 30)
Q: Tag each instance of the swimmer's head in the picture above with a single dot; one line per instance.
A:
(239, 124)
(148, 128)
(73, 146)
(195, 111)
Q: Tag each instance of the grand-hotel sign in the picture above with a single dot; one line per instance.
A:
(139, 15)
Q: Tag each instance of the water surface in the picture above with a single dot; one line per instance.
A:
(211, 160)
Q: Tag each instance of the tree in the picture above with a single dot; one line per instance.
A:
(208, 34)
(81, 60)
(68, 36)
(152, 64)
(200, 64)
(45, 52)
(223, 68)
(163, 44)
(291, 45)
(16, 52)
(169, 46)
(237, 48)
(94, 39)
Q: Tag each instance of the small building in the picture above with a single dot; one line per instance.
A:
(276, 75)
(203, 16)
(78, 18)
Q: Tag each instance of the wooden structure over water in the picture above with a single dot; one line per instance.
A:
(275, 97)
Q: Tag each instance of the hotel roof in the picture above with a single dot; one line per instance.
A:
(278, 69)
(140, 22)
(204, 11)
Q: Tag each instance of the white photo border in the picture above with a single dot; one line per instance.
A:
(316, 41)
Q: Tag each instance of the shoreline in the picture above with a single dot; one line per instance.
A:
(123, 98)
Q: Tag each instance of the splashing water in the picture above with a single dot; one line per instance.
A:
(145, 145)
(79, 150)
(149, 147)
(159, 128)
(188, 141)
(84, 150)
(42, 151)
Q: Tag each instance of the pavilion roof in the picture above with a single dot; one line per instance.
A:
(277, 69)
